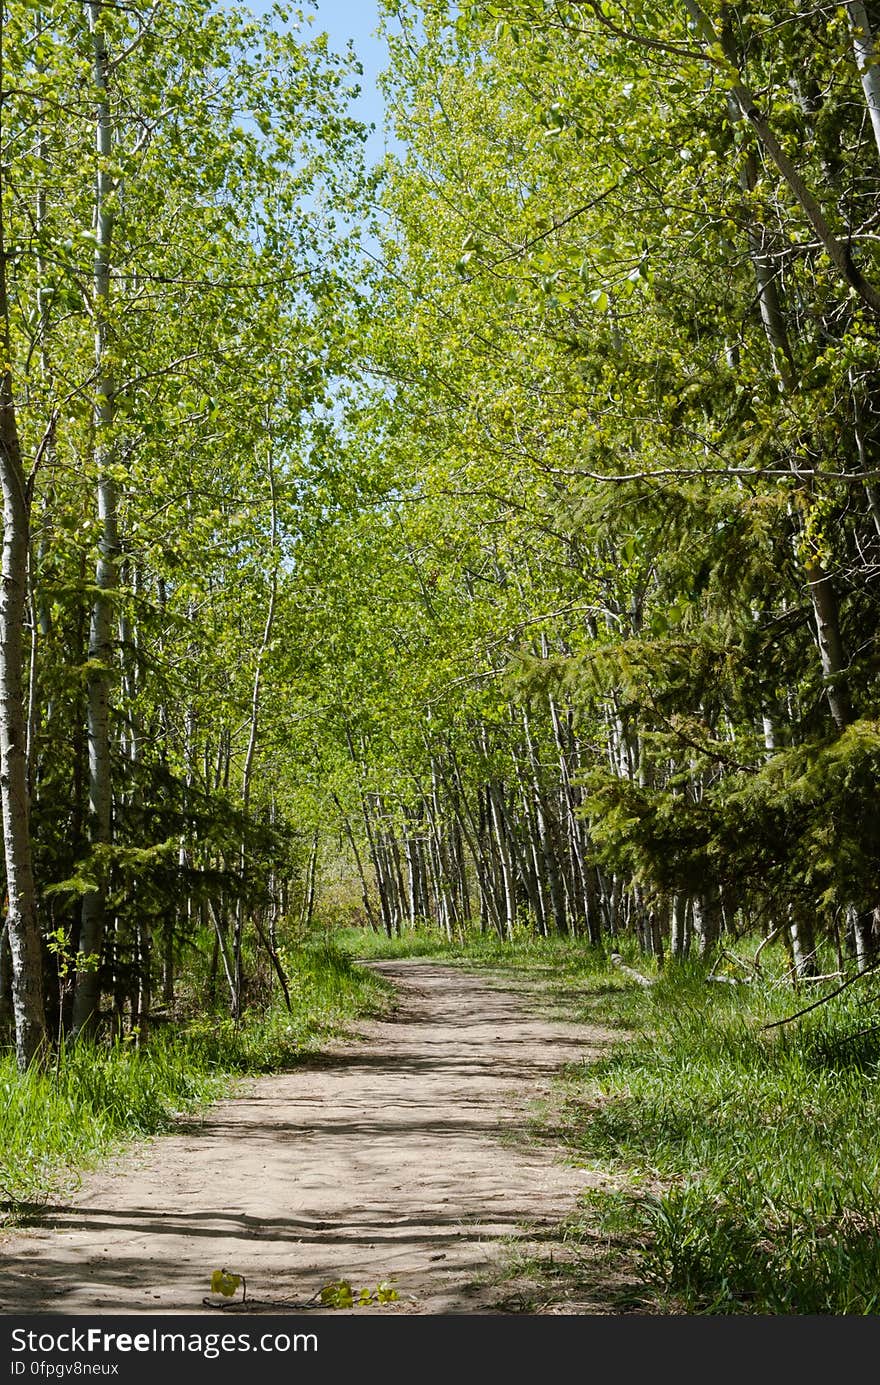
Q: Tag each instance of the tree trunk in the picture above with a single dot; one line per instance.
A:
(308, 908)
(706, 914)
(820, 587)
(825, 609)
(23, 931)
(679, 940)
(864, 939)
(803, 943)
(247, 770)
(866, 61)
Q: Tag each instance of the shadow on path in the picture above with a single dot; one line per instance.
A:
(404, 1159)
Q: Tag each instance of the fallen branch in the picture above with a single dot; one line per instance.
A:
(764, 942)
(822, 1000)
(617, 961)
(730, 980)
(828, 976)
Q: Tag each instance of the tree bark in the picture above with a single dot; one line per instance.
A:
(678, 934)
(863, 47)
(23, 930)
(706, 914)
(803, 943)
(308, 908)
(247, 770)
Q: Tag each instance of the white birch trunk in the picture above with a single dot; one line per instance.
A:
(863, 47)
(22, 927)
(247, 771)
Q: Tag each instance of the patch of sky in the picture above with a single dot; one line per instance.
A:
(348, 24)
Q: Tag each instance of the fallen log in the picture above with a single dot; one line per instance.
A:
(617, 961)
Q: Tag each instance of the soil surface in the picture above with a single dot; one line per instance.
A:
(403, 1156)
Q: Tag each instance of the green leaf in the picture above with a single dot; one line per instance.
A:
(337, 1294)
(222, 1282)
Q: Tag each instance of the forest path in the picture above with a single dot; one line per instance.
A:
(402, 1156)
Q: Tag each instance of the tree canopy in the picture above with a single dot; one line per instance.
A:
(498, 528)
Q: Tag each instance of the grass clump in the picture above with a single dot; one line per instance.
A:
(65, 1118)
(95, 1096)
(752, 1150)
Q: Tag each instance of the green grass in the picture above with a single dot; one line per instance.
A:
(65, 1119)
(761, 1144)
(327, 991)
(561, 956)
(413, 943)
(95, 1097)
(564, 970)
(751, 1153)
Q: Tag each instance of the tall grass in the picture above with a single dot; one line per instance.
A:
(65, 1118)
(753, 1150)
(95, 1096)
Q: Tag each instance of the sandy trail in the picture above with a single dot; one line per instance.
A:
(402, 1157)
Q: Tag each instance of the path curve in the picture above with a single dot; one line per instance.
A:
(401, 1156)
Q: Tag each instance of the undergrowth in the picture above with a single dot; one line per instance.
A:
(93, 1097)
(748, 1153)
(755, 1147)
(327, 991)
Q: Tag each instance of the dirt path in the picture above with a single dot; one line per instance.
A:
(400, 1158)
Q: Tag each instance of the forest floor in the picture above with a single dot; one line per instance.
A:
(421, 1154)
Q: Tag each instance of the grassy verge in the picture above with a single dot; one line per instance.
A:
(97, 1096)
(753, 1150)
(568, 964)
(327, 992)
(745, 1158)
